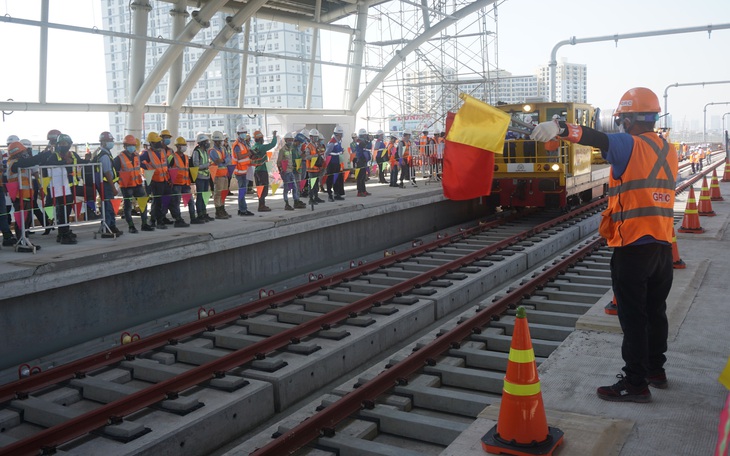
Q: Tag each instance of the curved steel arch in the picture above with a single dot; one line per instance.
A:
(412, 46)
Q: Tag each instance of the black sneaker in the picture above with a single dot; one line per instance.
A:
(331, 199)
(161, 226)
(133, 230)
(181, 224)
(167, 221)
(9, 241)
(623, 391)
(146, 227)
(197, 221)
(339, 198)
(658, 380)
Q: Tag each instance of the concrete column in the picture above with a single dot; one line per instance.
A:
(179, 15)
(140, 15)
(357, 55)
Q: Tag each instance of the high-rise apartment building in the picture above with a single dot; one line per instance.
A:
(270, 82)
(571, 82)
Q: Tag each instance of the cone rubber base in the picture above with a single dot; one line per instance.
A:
(691, 230)
(707, 214)
(492, 443)
(679, 264)
(611, 309)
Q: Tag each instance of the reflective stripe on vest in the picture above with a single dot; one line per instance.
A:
(240, 158)
(129, 172)
(180, 163)
(641, 202)
(97, 159)
(159, 164)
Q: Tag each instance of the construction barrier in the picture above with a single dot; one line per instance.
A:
(522, 429)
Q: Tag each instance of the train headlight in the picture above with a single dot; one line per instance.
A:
(527, 108)
(555, 167)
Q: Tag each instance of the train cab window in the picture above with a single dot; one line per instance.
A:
(561, 112)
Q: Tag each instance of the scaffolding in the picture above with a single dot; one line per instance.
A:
(425, 85)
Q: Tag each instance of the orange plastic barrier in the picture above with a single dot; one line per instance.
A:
(522, 428)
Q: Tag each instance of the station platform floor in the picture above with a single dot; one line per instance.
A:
(681, 420)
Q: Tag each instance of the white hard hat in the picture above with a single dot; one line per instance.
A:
(314, 132)
(338, 130)
(12, 139)
(26, 143)
(288, 135)
(304, 132)
(354, 135)
(379, 132)
(241, 128)
(201, 137)
(217, 136)
(362, 132)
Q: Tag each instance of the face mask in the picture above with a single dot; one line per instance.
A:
(130, 149)
(183, 149)
(63, 149)
(242, 136)
(110, 145)
(166, 141)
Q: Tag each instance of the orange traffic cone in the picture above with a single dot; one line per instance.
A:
(677, 262)
(522, 428)
(705, 206)
(691, 221)
(715, 194)
(726, 174)
(612, 307)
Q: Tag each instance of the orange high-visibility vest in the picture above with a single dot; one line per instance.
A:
(311, 156)
(641, 202)
(129, 175)
(240, 158)
(180, 163)
(25, 189)
(159, 164)
(392, 152)
(216, 169)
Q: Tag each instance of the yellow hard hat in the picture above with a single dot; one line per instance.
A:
(153, 137)
(166, 133)
(180, 141)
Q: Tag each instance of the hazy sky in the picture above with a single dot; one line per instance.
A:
(528, 30)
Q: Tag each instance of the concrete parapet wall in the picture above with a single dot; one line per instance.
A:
(51, 303)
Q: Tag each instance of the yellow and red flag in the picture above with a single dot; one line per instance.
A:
(473, 135)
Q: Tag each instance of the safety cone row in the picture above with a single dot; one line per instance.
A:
(726, 174)
(691, 221)
(715, 194)
(705, 206)
(677, 262)
(612, 307)
(522, 428)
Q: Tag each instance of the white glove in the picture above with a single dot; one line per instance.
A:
(545, 131)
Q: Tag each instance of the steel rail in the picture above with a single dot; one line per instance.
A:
(693, 180)
(70, 370)
(114, 412)
(324, 422)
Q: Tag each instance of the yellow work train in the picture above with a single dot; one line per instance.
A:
(555, 174)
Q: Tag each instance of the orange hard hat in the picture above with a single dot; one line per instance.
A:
(15, 148)
(130, 139)
(638, 100)
(257, 134)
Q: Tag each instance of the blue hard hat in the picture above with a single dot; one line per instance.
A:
(300, 137)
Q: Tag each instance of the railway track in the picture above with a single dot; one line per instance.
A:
(423, 397)
(239, 367)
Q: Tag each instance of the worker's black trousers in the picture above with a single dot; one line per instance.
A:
(642, 278)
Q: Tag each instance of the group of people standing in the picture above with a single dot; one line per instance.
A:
(166, 174)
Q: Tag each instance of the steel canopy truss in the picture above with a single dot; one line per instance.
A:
(421, 37)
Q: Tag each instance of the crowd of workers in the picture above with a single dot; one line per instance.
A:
(163, 171)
